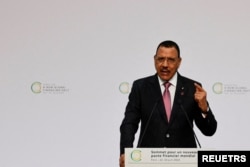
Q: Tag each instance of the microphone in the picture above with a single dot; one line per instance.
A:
(189, 122)
(146, 126)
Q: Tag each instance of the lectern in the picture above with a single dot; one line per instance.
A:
(161, 157)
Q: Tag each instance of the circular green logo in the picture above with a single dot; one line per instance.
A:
(124, 87)
(36, 87)
(136, 155)
(218, 88)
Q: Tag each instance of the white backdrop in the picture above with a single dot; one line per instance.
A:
(65, 67)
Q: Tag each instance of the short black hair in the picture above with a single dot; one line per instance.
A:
(169, 44)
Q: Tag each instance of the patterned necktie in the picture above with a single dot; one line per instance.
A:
(167, 100)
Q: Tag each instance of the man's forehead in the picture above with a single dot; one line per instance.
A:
(170, 51)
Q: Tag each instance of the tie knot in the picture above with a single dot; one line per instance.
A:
(167, 84)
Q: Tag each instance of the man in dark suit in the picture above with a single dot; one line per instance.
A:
(146, 105)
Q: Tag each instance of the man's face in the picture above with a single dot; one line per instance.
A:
(167, 62)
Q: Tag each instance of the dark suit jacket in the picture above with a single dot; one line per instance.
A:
(146, 99)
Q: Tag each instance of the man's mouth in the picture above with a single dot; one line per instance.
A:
(165, 71)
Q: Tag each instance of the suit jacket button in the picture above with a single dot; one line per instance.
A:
(167, 135)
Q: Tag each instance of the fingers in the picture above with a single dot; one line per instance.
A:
(198, 87)
(122, 160)
(200, 97)
(199, 92)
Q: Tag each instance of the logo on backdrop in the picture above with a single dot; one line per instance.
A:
(233, 89)
(48, 88)
(36, 87)
(124, 88)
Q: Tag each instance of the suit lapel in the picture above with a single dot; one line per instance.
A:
(157, 94)
(179, 94)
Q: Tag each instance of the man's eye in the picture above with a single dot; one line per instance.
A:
(171, 60)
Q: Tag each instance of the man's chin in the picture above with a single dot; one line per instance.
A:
(165, 77)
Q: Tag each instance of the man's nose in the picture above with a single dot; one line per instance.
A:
(165, 63)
